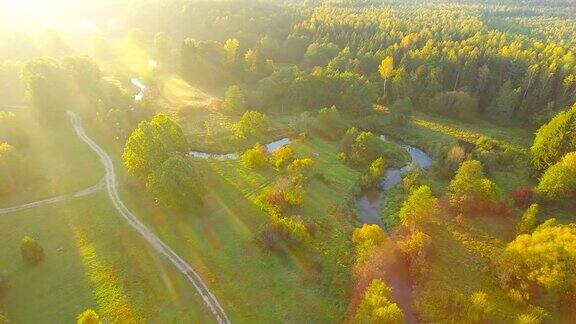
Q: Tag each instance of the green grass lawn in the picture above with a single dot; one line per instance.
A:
(93, 260)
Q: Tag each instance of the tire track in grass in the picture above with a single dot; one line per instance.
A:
(209, 299)
(49, 201)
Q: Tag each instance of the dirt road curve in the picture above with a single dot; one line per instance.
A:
(82, 193)
(209, 299)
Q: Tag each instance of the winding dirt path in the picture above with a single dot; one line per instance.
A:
(209, 299)
(82, 193)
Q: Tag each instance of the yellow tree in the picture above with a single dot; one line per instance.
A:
(88, 316)
(386, 69)
(231, 49)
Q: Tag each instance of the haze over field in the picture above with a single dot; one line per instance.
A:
(302, 161)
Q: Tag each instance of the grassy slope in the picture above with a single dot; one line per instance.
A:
(63, 163)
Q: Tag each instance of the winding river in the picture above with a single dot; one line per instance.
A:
(370, 212)
(270, 147)
(370, 202)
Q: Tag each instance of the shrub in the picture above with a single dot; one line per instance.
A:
(88, 316)
(282, 156)
(301, 168)
(255, 158)
(284, 193)
(470, 188)
(528, 220)
(280, 232)
(373, 175)
(330, 122)
(522, 196)
(32, 252)
(416, 247)
(365, 239)
(377, 305)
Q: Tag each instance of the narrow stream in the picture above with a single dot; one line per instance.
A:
(370, 202)
(270, 147)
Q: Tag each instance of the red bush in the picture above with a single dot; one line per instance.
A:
(522, 196)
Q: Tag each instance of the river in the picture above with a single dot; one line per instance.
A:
(396, 271)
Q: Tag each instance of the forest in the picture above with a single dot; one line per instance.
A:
(301, 161)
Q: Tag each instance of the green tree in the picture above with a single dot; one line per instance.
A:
(88, 316)
(251, 123)
(420, 207)
(47, 87)
(177, 184)
(559, 181)
(152, 143)
(234, 100)
(32, 252)
(319, 54)
(401, 111)
(505, 101)
(528, 220)
(377, 305)
(555, 139)
(469, 185)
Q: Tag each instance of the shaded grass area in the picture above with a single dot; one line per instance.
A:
(93, 260)
(59, 162)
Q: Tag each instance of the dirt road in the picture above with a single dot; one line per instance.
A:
(82, 193)
(209, 299)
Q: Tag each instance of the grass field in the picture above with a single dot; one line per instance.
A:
(218, 239)
(93, 260)
(60, 161)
